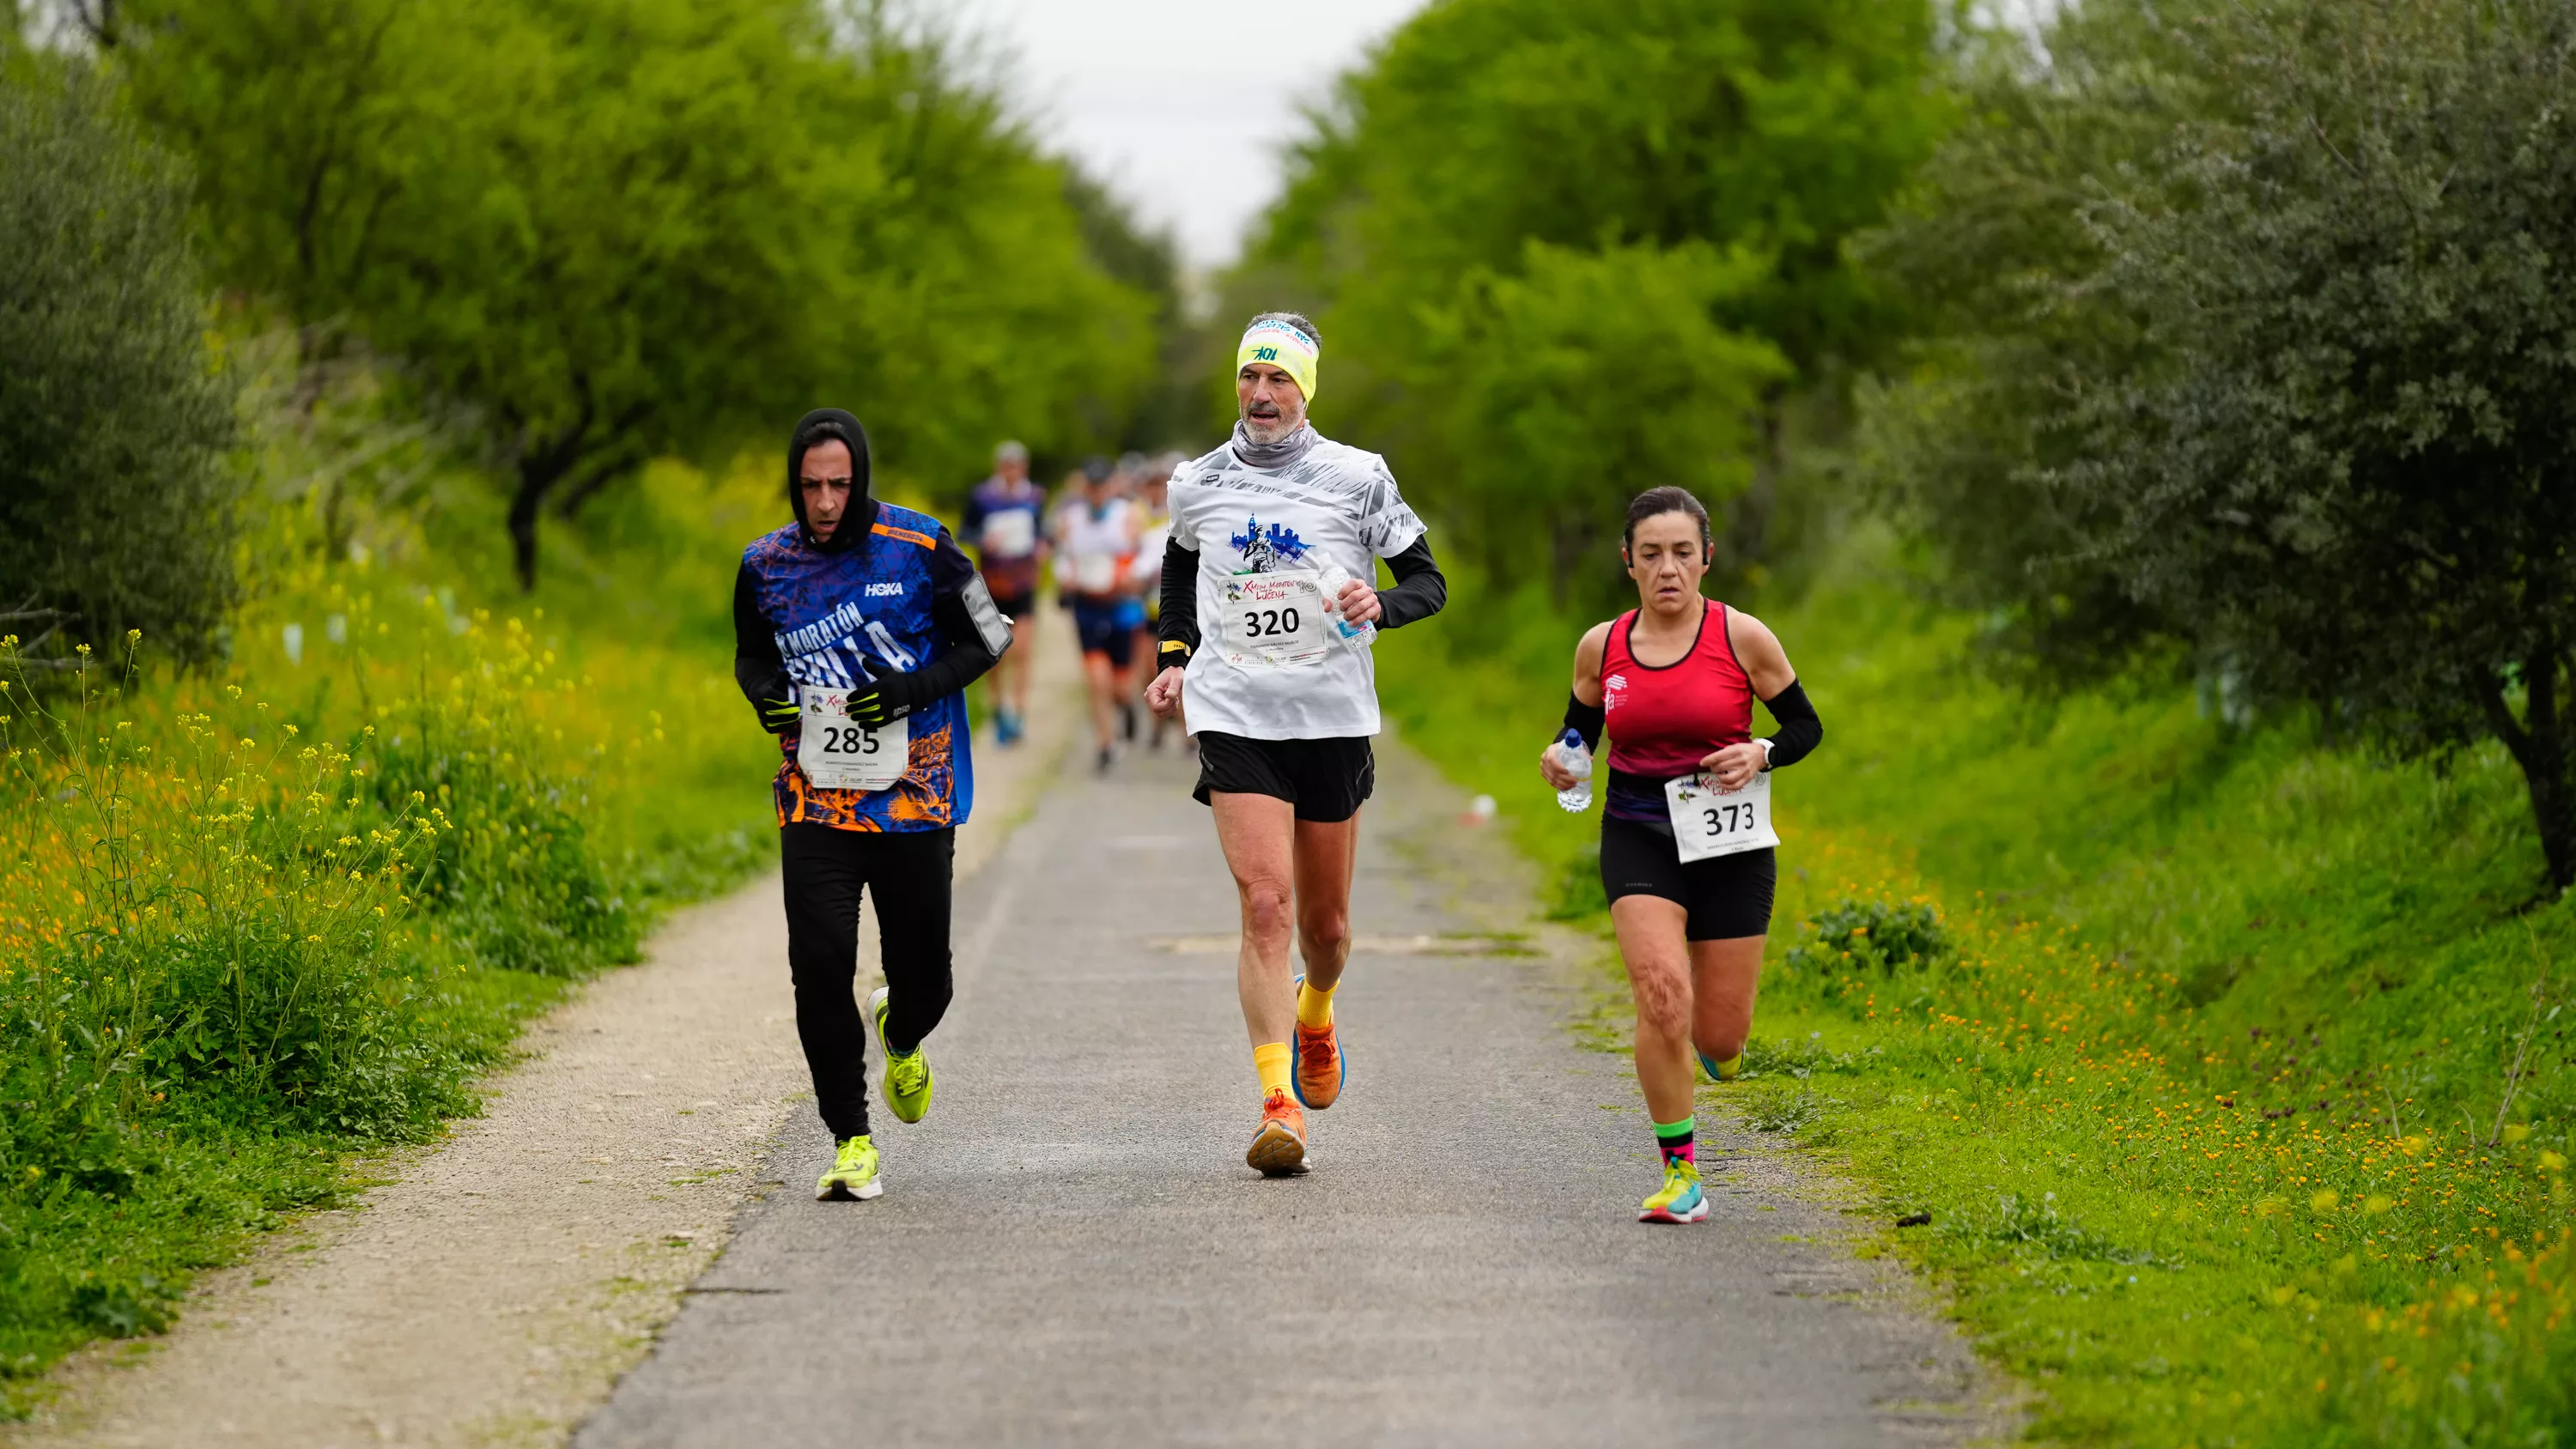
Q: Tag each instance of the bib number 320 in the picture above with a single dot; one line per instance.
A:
(1708, 821)
(1272, 621)
(837, 754)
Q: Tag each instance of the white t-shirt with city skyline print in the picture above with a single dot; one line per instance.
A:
(1333, 505)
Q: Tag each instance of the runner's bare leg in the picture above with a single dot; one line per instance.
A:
(1258, 834)
(1326, 853)
(1724, 977)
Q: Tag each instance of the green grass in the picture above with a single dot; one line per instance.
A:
(2205, 1092)
(256, 926)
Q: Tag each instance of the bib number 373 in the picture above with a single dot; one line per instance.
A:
(1708, 821)
(837, 754)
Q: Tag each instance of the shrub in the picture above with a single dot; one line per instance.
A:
(117, 505)
(1855, 933)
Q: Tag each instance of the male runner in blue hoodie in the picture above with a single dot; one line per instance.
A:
(856, 630)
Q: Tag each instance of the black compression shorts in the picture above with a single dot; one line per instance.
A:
(1325, 779)
(1727, 896)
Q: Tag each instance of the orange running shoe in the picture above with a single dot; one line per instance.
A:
(1319, 1066)
(1279, 1149)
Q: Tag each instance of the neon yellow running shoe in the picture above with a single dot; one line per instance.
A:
(1680, 1201)
(1721, 1071)
(853, 1174)
(907, 1075)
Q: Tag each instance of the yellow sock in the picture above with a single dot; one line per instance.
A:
(1270, 1059)
(1314, 1008)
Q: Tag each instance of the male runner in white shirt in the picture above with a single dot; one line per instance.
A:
(1281, 702)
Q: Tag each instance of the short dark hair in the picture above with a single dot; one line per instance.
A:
(1655, 502)
(1293, 319)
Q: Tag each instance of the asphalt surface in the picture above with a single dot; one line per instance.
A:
(1070, 1250)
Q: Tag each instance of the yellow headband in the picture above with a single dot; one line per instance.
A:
(1283, 347)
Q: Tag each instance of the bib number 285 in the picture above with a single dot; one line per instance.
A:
(851, 740)
(838, 753)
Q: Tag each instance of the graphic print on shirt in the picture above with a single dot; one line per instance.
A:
(1264, 549)
(828, 654)
(1333, 505)
(835, 615)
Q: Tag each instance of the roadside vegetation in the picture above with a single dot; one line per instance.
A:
(386, 393)
(2172, 944)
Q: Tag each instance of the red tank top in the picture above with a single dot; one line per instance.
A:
(1663, 720)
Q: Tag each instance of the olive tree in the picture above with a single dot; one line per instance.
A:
(2342, 463)
(118, 502)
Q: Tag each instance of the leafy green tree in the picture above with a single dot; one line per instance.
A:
(621, 228)
(1988, 245)
(2340, 457)
(118, 502)
(1769, 131)
(1584, 373)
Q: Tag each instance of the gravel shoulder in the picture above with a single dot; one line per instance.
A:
(492, 1289)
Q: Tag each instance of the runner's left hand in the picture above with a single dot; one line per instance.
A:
(1359, 603)
(888, 697)
(1735, 766)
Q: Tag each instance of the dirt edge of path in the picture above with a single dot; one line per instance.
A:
(481, 1295)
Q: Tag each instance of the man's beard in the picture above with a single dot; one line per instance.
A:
(1266, 431)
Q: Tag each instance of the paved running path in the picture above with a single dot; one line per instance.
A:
(1071, 1251)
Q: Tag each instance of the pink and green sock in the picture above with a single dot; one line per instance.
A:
(1675, 1140)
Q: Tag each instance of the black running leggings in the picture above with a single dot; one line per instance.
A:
(826, 870)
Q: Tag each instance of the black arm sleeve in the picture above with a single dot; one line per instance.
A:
(1180, 621)
(756, 665)
(1419, 589)
(1584, 719)
(963, 609)
(1800, 730)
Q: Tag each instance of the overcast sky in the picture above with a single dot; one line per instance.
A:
(1181, 105)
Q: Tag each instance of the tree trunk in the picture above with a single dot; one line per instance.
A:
(2538, 743)
(1749, 539)
(541, 467)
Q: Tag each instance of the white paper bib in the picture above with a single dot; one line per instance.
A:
(836, 754)
(1272, 621)
(1708, 821)
(1012, 533)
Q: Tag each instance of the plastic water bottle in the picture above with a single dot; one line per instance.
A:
(1358, 636)
(1576, 757)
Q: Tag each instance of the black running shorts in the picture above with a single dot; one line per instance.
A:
(1727, 896)
(1325, 779)
(1019, 606)
(1104, 629)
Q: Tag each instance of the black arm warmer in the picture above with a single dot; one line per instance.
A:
(1419, 590)
(966, 661)
(1180, 621)
(756, 665)
(1583, 719)
(1800, 730)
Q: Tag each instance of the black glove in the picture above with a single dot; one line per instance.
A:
(886, 698)
(778, 716)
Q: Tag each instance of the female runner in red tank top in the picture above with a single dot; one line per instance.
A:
(1674, 681)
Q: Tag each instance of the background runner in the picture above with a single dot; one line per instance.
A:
(1002, 520)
